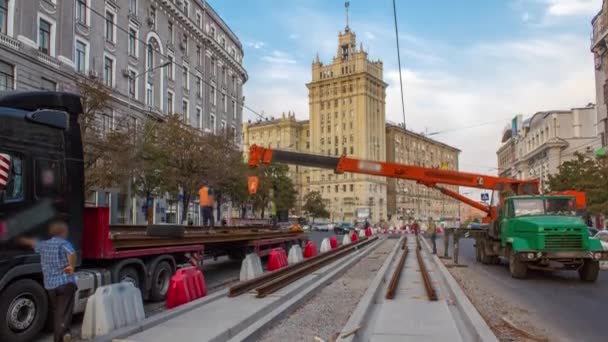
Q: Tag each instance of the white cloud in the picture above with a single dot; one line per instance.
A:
(279, 57)
(369, 35)
(256, 44)
(525, 17)
(572, 7)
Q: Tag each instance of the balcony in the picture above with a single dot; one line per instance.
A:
(48, 60)
(600, 28)
(10, 42)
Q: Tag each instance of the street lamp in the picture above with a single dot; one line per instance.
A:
(130, 215)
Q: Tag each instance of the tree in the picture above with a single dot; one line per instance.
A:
(584, 174)
(315, 206)
(274, 185)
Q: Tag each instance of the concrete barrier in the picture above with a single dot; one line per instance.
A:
(325, 246)
(295, 255)
(110, 308)
(346, 240)
(251, 267)
(362, 233)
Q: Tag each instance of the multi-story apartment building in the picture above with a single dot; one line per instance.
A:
(599, 47)
(156, 57)
(407, 199)
(546, 140)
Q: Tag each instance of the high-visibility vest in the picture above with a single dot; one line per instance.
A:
(205, 197)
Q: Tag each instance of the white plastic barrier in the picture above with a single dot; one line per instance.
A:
(325, 246)
(362, 233)
(346, 239)
(251, 267)
(295, 255)
(110, 308)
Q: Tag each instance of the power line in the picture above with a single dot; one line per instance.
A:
(165, 56)
(399, 62)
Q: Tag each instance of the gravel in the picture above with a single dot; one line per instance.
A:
(493, 307)
(323, 316)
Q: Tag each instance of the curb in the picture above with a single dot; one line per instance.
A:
(365, 305)
(253, 331)
(159, 318)
(471, 318)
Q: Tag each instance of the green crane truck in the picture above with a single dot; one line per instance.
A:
(540, 232)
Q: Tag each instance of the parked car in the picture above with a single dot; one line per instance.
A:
(321, 227)
(306, 228)
(602, 235)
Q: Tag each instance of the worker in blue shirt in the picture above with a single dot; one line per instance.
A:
(58, 260)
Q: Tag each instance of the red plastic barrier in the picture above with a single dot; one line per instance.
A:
(333, 242)
(277, 259)
(187, 284)
(368, 232)
(353, 236)
(310, 250)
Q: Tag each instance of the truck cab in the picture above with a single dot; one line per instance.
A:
(542, 232)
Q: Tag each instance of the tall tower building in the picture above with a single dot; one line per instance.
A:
(347, 116)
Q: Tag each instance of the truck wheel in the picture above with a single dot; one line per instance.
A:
(161, 277)
(129, 274)
(483, 257)
(517, 268)
(589, 271)
(23, 311)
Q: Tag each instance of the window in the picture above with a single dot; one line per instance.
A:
(352, 188)
(212, 95)
(153, 16)
(224, 103)
(213, 69)
(224, 75)
(44, 37)
(185, 111)
(186, 77)
(133, 6)
(108, 72)
(7, 76)
(170, 27)
(336, 188)
(223, 127)
(110, 27)
(199, 87)
(212, 32)
(132, 42)
(234, 110)
(150, 57)
(11, 184)
(170, 68)
(199, 118)
(212, 123)
(199, 19)
(149, 94)
(234, 83)
(81, 11)
(132, 80)
(48, 178)
(186, 7)
(352, 151)
(46, 84)
(199, 55)
(107, 122)
(223, 40)
(185, 46)
(80, 56)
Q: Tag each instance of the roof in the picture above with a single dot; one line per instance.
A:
(390, 125)
(216, 16)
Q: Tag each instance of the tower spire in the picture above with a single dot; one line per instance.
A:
(346, 5)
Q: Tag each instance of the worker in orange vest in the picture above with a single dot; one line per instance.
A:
(207, 201)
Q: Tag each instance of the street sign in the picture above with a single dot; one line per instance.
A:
(485, 197)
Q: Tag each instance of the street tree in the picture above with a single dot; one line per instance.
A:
(314, 205)
(274, 185)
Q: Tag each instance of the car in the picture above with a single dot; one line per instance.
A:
(602, 235)
(321, 227)
(306, 228)
(343, 228)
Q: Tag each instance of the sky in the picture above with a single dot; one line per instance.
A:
(464, 63)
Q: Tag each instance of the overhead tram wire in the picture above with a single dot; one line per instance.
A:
(165, 56)
(399, 62)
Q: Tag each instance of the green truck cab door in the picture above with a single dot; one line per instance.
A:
(503, 219)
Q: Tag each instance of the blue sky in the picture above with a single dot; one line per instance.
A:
(464, 62)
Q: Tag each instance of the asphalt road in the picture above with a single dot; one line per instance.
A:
(568, 308)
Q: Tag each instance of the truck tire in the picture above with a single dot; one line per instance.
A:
(518, 268)
(129, 274)
(483, 257)
(24, 308)
(589, 271)
(161, 277)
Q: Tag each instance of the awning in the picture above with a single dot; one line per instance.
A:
(601, 152)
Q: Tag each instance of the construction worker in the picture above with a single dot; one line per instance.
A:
(207, 200)
(432, 230)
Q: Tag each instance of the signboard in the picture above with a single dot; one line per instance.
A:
(362, 213)
(485, 197)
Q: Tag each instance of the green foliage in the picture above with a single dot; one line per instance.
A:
(587, 175)
(314, 205)
(274, 185)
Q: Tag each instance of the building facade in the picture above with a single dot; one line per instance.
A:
(407, 199)
(156, 57)
(546, 140)
(599, 47)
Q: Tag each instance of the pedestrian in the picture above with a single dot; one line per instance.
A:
(58, 260)
(206, 201)
(416, 227)
(432, 230)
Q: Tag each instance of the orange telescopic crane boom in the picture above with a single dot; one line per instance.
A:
(428, 176)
